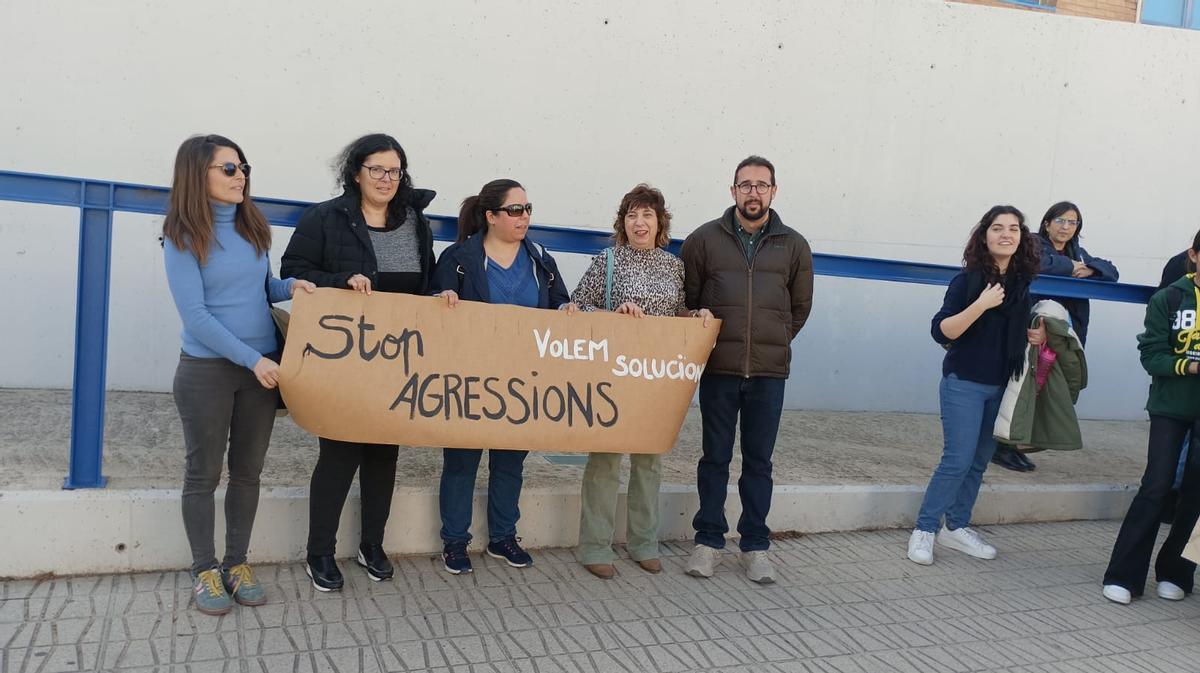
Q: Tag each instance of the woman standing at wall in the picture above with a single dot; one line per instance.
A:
(636, 277)
(1170, 353)
(374, 237)
(492, 261)
(1062, 255)
(215, 244)
(983, 323)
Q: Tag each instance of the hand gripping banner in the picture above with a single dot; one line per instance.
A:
(401, 369)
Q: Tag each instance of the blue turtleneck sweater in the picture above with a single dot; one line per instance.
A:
(223, 304)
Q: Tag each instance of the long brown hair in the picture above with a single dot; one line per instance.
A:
(1026, 261)
(189, 221)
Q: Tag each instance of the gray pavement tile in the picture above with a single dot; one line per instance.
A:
(855, 609)
(16, 634)
(69, 631)
(137, 653)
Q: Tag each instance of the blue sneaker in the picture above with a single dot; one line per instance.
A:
(510, 551)
(240, 583)
(209, 592)
(455, 558)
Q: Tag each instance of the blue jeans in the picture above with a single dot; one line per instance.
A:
(968, 416)
(457, 493)
(758, 401)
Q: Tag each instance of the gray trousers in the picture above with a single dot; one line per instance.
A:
(221, 405)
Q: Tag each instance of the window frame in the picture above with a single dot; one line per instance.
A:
(1191, 14)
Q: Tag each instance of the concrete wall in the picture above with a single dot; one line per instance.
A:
(893, 124)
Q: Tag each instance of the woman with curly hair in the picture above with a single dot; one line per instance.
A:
(983, 323)
(637, 277)
(375, 237)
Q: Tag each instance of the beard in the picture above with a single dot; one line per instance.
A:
(763, 208)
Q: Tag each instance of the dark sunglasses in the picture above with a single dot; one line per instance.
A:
(229, 168)
(515, 209)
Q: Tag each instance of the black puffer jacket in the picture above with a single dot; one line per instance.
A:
(331, 243)
(762, 302)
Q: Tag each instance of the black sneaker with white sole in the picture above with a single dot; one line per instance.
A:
(455, 559)
(510, 551)
(375, 560)
(324, 573)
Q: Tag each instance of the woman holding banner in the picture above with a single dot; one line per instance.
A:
(374, 237)
(635, 277)
(492, 261)
(215, 244)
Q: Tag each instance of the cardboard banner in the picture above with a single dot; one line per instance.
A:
(401, 369)
(1191, 552)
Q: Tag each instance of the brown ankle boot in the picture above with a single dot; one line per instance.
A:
(651, 565)
(604, 571)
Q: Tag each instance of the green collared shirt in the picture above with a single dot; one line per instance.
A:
(749, 240)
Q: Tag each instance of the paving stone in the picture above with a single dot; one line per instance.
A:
(846, 603)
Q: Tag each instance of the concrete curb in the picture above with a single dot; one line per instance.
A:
(102, 531)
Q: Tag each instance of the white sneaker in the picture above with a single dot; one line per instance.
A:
(1118, 594)
(967, 541)
(758, 567)
(920, 547)
(703, 561)
(1170, 591)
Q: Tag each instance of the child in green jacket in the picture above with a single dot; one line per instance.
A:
(1170, 353)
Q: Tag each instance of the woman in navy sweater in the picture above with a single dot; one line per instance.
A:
(983, 323)
(492, 261)
(215, 244)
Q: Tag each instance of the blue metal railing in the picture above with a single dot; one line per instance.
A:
(97, 200)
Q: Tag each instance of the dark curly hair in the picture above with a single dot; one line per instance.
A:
(350, 161)
(643, 196)
(1026, 262)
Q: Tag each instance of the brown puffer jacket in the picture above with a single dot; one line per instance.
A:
(763, 302)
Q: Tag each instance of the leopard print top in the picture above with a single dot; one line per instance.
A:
(652, 279)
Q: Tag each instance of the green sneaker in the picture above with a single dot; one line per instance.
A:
(240, 582)
(211, 598)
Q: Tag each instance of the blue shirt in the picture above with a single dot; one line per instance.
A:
(515, 285)
(223, 304)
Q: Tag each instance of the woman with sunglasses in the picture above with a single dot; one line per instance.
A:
(374, 237)
(215, 244)
(491, 261)
(1062, 255)
(636, 277)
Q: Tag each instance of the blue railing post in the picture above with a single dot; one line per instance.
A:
(91, 336)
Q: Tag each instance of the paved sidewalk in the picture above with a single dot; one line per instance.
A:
(846, 602)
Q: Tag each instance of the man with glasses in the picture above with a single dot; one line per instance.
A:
(754, 273)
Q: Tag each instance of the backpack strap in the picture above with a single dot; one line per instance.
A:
(608, 279)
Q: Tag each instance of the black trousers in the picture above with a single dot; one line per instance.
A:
(331, 479)
(1130, 561)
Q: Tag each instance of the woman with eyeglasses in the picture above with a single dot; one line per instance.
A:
(636, 277)
(1062, 255)
(373, 238)
(215, 244)
(491, 261)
